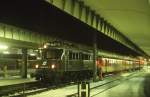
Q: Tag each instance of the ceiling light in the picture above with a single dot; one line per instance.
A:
(6, 52)
(3, 46)
(32, 54)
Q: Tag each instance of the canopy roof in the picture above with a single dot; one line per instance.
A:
(131, 17)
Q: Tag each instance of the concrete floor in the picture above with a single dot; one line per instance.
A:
(138, 86)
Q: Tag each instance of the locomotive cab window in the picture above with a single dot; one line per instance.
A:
(53, 53)
(74, 55)
(86, 57)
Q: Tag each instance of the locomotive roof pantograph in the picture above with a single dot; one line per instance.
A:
(61, 44)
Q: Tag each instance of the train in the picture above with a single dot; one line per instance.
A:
(114, 65)
(63, 62)
(11, 65)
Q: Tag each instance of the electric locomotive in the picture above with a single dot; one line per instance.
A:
(64, 62)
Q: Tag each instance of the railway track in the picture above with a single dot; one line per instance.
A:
(29, 88)
(114, 84)
(18, 88)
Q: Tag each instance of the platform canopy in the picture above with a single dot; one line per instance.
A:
(131, 17)
(44, 18)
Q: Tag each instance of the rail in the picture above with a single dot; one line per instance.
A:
(107, 85)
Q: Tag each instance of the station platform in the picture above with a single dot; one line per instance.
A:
(138, 86)
(69, 90)
(14, 80)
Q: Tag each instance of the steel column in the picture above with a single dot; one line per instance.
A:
(83, 15)
(101, 24)
(75, 8)
(81, 6)
(87, 14)
(94, 56)
(24, 63)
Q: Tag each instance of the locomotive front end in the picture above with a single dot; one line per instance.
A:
(51, 61)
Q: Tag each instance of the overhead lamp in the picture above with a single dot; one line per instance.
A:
(6, 52)
(3, 47)
(39, 58)
(36, 50)
(32, 54)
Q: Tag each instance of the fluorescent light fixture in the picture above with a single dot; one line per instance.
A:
(6, 52)
(3, 47)
(32, 54)
(38, 58)
(36, 50)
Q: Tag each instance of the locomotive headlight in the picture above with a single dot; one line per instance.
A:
(53, 66)
(36, 66)
(45, 46)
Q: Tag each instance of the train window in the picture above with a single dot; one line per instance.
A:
(74, 56)
(89, 57)
(85, 57)
(70, 55)
(77, 56)
(80, 56)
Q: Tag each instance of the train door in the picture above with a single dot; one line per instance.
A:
(100, 64)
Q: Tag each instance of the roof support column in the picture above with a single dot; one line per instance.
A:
(94, 56)
(24, 63)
